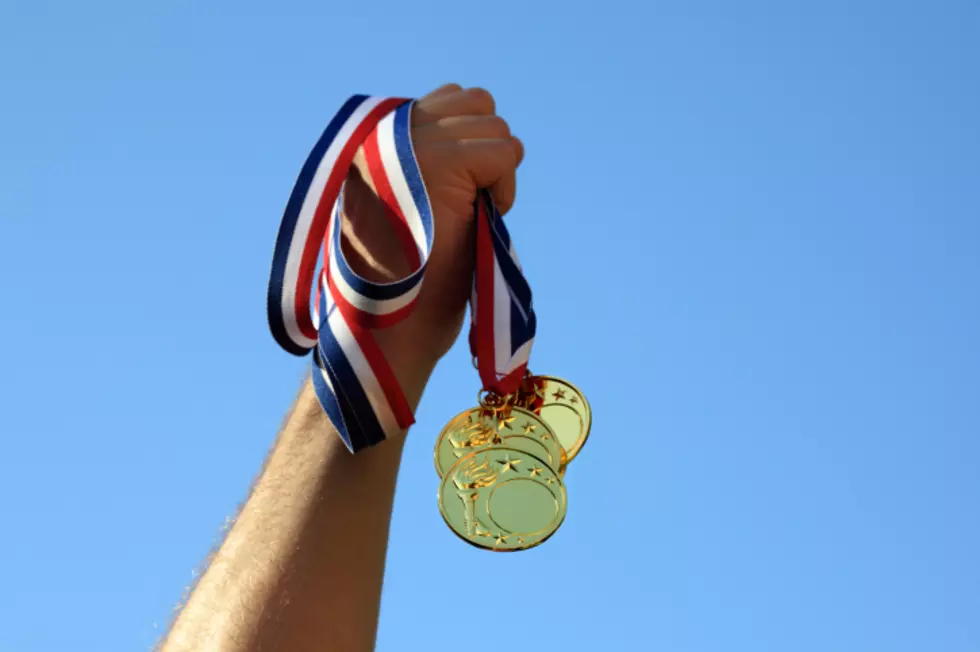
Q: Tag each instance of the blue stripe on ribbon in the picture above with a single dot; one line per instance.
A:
(329, 402)
(362, 286)
(513, 276)
(333, 359)
(496, 221)
(413, 177)
(364, 428)
(521, 330)
(410, 168)
(287, 228)
(344, 398)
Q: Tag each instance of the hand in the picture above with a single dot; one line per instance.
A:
(461, 146)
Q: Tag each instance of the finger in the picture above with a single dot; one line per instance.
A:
(504, 192)
(518, 149)
(488, 160)
(445, 89)
(461, 127)
(471, 101)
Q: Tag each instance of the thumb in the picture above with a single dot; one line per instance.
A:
(504, 190)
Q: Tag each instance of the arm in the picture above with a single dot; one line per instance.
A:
(302, 568)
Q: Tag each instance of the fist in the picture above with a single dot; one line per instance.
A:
(461, 146)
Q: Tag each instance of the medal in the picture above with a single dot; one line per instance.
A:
(562, 405)
(513, 427)
(502, 463)
(502, 499)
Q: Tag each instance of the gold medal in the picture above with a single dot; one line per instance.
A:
(502, 499)
(487, 426)
(562, 405)
(502, 463)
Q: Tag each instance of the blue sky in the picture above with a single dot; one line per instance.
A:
(752, 230)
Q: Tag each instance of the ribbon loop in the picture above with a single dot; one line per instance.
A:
(503, 322)
(353, 381)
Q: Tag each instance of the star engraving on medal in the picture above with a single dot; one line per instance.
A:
(559, 394)
(501, 538)
(520, 540)
(508, 464)
(545, 437)
(574, 399)
(535, 471)
(529, 428)
(481, 532)
(551, 480)
(504, 422)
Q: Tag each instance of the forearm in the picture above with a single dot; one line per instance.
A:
(302, 567)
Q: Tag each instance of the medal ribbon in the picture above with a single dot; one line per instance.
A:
(353, 381)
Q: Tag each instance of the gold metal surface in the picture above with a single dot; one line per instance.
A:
(562, 405)
(512, 427)
(502, 499)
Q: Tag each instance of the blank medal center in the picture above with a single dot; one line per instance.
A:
(522, 505)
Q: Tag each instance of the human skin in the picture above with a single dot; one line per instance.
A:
(301, 569)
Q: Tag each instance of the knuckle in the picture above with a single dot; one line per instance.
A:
(482, 98)
(498, 127)
(473, 126)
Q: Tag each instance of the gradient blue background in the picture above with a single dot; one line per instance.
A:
(753, 229)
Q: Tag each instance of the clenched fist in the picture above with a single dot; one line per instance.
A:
(461, 146)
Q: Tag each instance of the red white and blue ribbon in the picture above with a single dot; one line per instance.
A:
(502, 320)
(353, 381)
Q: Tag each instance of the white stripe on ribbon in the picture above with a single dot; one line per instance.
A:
(399, 185)
(365, 374)
(358, 300)
(501, 319)
(386, 418)
(304, 220)
(521, 356)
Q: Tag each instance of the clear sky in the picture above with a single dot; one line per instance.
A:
(752, 229)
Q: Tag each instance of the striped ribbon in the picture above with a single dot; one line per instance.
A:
(353, 381)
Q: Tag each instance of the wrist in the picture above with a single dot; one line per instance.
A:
(411, 363)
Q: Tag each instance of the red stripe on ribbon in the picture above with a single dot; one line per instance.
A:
(367, 319)
(360, 329)
(386, 377)
(486, 360)
(379, 177)
(321, 218)
(509, 383)
(483, 341)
